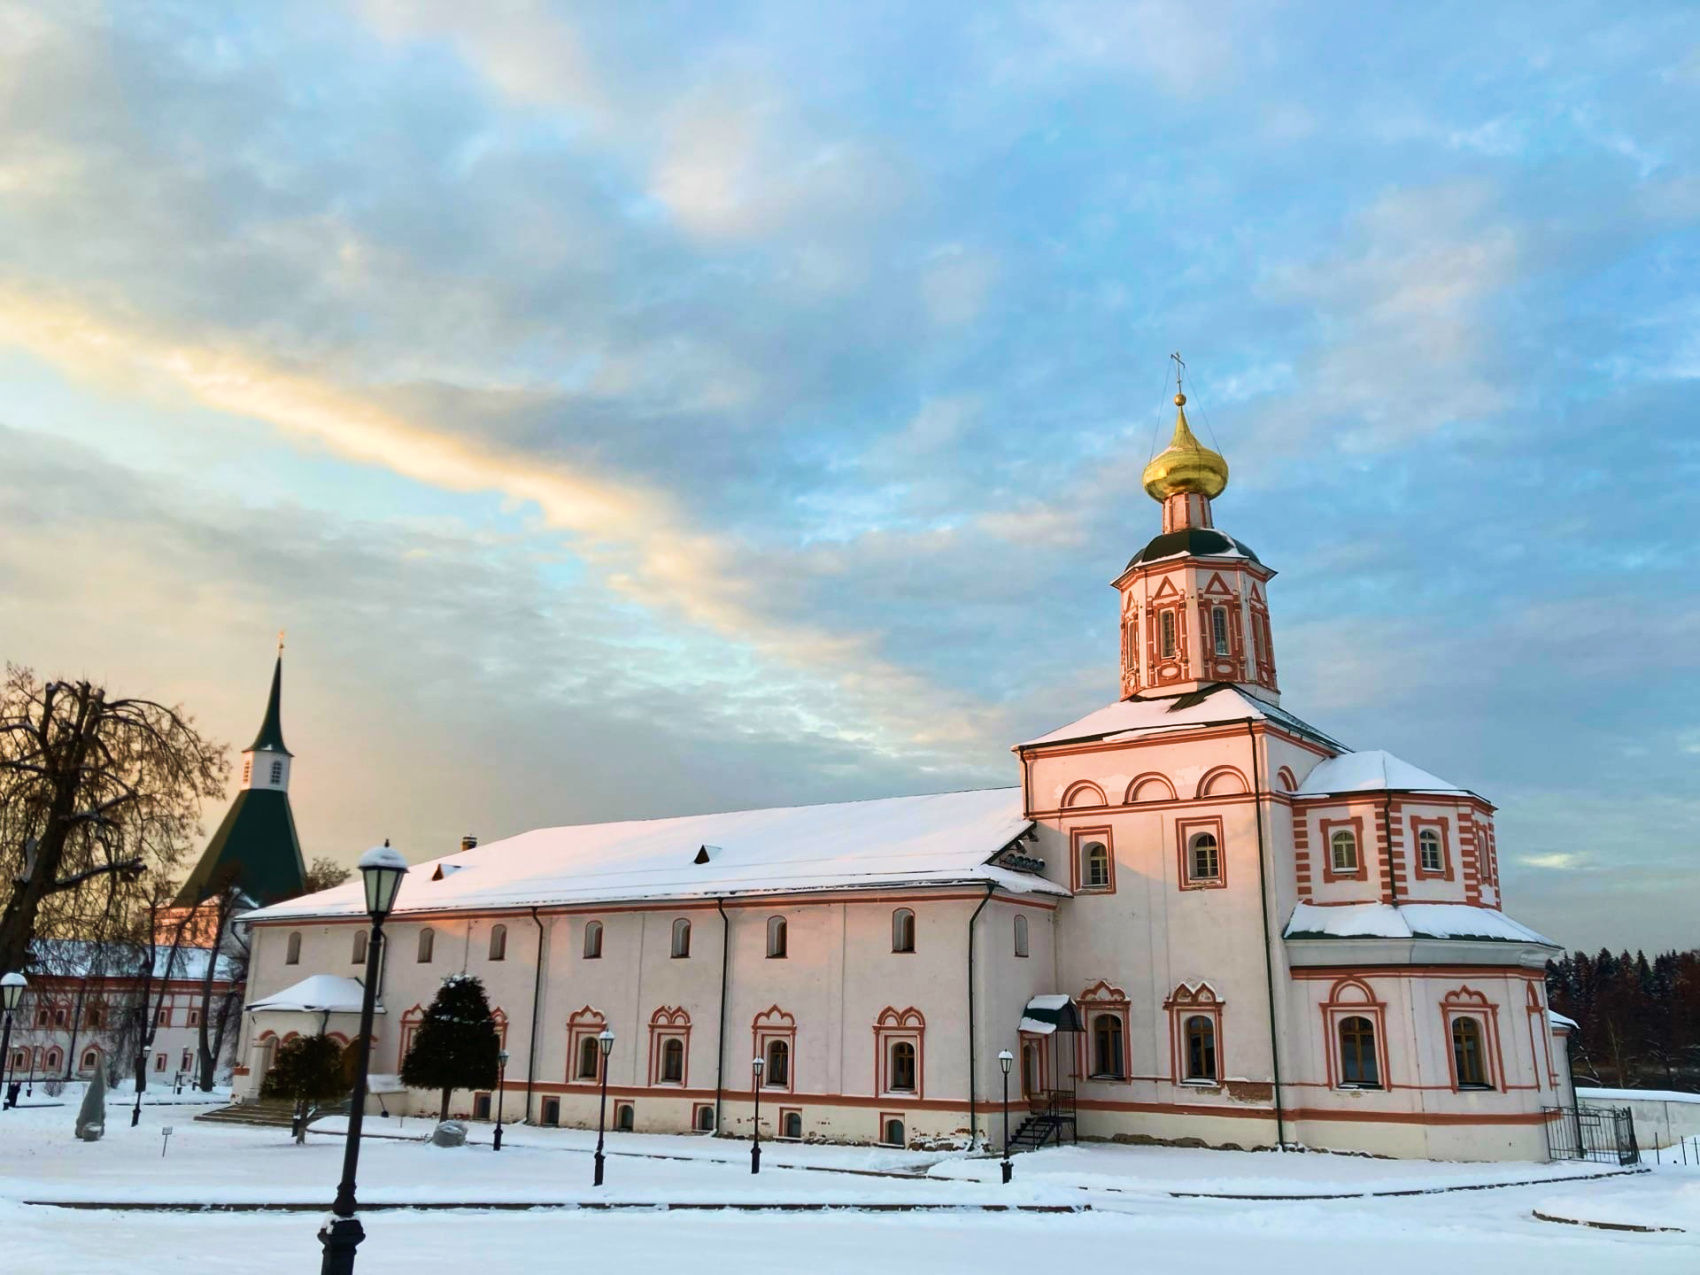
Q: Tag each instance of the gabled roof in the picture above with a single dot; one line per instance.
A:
(271, 729)
(941, 839)
(254, 849)
(1214, 705)
(1372, 771)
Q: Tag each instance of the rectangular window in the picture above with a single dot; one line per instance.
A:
(1166, 632)
(1202, 865)
(1094, 860)
(1219, 629)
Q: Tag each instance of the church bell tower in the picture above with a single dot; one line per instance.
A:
(1194, 611)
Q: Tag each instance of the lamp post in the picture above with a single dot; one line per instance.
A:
(11, 993)
(382, 869)
(604, 1042)
(1006, 1060)
(501, 1076)
(756, 1066)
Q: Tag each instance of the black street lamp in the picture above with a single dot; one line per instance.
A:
(382, 869)
(501, 1075)
(1006, 1060)
(604, 1042)
(11, 993)
(756, 1066)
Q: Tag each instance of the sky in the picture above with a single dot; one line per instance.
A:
(636, 410)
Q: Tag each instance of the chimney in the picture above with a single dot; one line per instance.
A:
(469, 842)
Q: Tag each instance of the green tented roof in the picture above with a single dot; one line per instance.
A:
(254, 849)
(271, 730)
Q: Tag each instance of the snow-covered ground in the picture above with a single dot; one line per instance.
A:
(1132, 1217)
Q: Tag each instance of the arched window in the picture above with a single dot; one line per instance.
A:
(681, 938)
(357, 952)
(277, 772)
(91, 1059)
(1219, 629)
(499, 943)
(705, 1119)
(1020, 935)
(903, 930)
(624, 1117)
(673, 1061)
(1467, 1054)
(1200, 1048)
(1166, 634)
(903, 1067)
(593, 940)
(776, 937)
(776, 1074)
(1107, 1047)
(54, 1058)
(1203, 857)
(427, 944)
(891, 1133)
(791, 1126)
(1094, 865)
(1428, 843)
(292, 953)
(1343, 850)
(1358, 1066)
(589, 1058)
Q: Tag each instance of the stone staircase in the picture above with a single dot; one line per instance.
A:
(269, 1112)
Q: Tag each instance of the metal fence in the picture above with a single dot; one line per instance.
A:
(1605, 1135)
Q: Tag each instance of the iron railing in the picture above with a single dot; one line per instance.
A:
(1605, 1135)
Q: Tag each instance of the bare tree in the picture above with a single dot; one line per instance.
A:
(230, 945)
(93, 792)
(325, 873)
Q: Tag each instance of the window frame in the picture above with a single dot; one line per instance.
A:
(426, 948)
(582, 1025)
(1353, 824)
(1342, 1024)
(1078, 840)
(669, 1025)
(1021, 942)
(1184, 1004)
(590, 949)
(1106, 1036)
(1352, 997)
(786, 1115)
(889, 1118)
(903, 931)
(498, 947)
(776, 1047)
(778, 938)
(1186, 830)
(1421, 827)
(1168, 633)
(894, 1027)
(1466, 1002)
(774, 1024)
(292, 948)
(1221, 640)
(679, 945)
(1104, 1000)
(277, 772)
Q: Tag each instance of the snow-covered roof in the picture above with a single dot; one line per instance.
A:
(316, 994)
(1215, 705)
(1585, 1093)
(940, 839)
(83, 958)
(1407, 921)
(1371, 771)
(1556, 1019)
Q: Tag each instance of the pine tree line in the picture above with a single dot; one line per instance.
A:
(1638, 1021)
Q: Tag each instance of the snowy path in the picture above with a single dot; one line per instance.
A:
(1134, 1219)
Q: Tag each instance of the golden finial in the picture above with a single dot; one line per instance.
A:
(280, 643)
(1185, 464)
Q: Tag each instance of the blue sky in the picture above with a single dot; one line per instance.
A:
(636, 410)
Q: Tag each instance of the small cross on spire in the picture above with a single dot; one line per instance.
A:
(280, 641)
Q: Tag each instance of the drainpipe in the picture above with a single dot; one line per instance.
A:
(973, 1109)
(536, 1000)
(1268, 939)
(720, 1040)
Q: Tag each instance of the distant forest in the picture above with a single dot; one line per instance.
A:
(1638, 1020)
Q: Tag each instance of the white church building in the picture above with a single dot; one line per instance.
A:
(1196, 917)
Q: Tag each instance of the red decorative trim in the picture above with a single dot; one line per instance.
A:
(1217, 773)
(1185, 830)
(1418, 826)
(1465, 1002)
(1150, 779)
(582, 1023)
(1192, 1002)
(1077, 841)
(1351, 997)
(1287, 780)
(665, 1024)
(1354, 825)
(891, 1028)
(770, 1025)
(1079, 788)
(1104, 1000)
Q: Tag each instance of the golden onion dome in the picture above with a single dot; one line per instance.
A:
(1185, 464)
